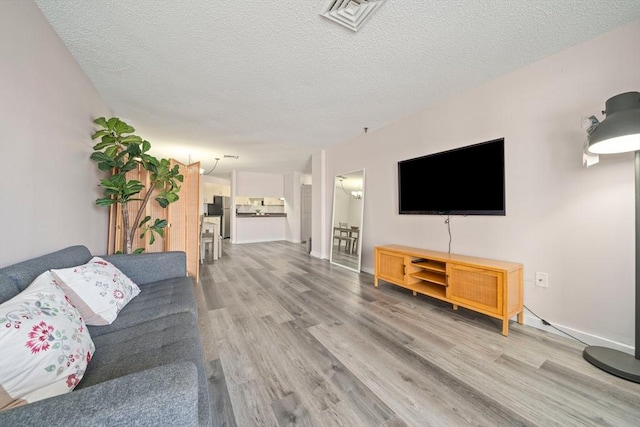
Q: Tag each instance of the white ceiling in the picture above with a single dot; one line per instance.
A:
(273, 81)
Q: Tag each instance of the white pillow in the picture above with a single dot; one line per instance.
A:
(45, 345)
(98, 289)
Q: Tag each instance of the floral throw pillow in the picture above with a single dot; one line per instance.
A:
(98, 289)
(44, 344)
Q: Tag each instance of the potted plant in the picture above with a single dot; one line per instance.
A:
(120, 151)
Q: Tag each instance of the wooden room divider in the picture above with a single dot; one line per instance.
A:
(182, 232)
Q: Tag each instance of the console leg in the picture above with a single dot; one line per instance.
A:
(455, 306)
(521, 317)
(505, 327)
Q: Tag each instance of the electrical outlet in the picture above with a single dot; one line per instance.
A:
(542, 279)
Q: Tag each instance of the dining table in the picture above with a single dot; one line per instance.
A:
(349, 235)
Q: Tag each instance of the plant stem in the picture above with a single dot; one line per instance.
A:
(134, 229)
(125, 222)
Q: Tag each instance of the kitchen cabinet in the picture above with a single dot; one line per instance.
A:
(273, 201)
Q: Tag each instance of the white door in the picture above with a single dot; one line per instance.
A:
(305, 212)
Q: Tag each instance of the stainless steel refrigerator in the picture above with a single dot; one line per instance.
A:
(223, 208)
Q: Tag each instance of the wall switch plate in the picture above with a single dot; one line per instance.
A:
(542, 279)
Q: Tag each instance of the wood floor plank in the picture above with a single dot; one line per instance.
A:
(297, 341)
(222, 412)
(247, 393)
(289, 412)
(204, 324)
(366, 406)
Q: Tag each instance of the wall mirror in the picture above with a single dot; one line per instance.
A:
(346, 227)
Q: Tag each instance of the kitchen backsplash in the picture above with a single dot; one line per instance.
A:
(263, 209)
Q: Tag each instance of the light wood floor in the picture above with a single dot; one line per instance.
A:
(293, 340)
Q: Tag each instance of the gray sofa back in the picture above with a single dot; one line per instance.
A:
(150, 267)
(15, 278)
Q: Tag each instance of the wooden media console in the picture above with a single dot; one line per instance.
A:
(484, 285)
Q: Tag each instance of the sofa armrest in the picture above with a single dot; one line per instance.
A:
(151, 267)
(165, 395)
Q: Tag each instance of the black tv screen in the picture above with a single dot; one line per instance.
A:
(462, 181)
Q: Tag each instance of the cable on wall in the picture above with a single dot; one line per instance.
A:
(544, 322)
(214, 166)
(447, 220)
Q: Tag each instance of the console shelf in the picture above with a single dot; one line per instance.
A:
(430, 277)
(484, 285)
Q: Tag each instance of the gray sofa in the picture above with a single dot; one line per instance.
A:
(148, 367)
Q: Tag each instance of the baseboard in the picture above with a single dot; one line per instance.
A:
(531, 320)
(368, 270)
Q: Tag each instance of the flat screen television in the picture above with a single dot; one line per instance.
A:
(463, 181)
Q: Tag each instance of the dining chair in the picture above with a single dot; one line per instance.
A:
(344, 236)
(204, 241)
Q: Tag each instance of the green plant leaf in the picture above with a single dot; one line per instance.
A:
(99, 156)
(111, 152)
(112, 122)
(101, 121)
(105, 166)
(110, 138)
(101, 145)
(130, 139)
(159, 224)
(134, 150)
(105, 202)
(100, 133)
(144, 221)
(138, 251)
(122, 127)
(163, 202)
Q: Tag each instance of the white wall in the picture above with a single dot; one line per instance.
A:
(292, 205)
(48, 184)
(253, 184)
(213, 186)
(321, 192)
(575, 224)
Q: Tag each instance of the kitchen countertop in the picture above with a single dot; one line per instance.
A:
(266, 215)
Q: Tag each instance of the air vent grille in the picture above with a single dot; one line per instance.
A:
(350, 13)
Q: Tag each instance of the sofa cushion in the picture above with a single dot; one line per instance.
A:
(172, 338)
(25, 272)
(98, 289)
(8, 288)
(162, 396)
(156, 300)
(45, 344)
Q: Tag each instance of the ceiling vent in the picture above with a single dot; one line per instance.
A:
(350, 13)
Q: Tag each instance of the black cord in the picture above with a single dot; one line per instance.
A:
(447, 220)
(557, 329)
(214, 167)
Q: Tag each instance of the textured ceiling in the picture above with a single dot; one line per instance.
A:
(273, 81)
